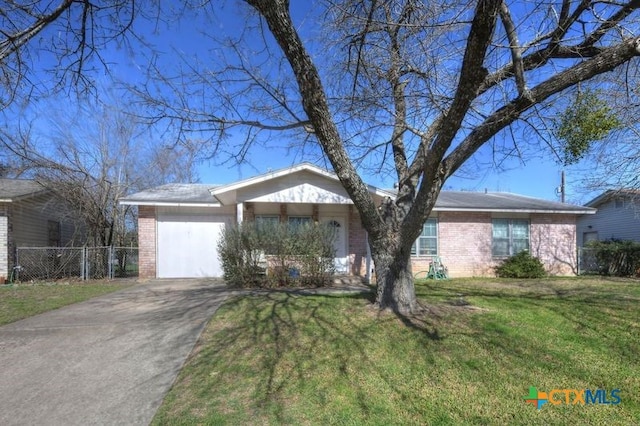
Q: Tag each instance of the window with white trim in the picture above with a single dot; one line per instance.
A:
(509, 237)
(427, 242)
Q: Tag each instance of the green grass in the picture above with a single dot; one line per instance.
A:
(294, 359)
(25, 300)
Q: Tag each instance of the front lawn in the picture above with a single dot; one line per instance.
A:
(24, 300)
(294, 359)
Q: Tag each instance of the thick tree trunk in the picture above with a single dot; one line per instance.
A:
(394, 278)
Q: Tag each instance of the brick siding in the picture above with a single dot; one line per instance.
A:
(464, 243)
(147, 241)
(553, 240)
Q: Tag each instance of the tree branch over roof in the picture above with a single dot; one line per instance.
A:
(607, 60)
(276, 14)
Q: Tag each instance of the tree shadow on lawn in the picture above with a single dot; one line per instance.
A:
(288, 340)
(563, 334)
(277, 348)
(592, 311)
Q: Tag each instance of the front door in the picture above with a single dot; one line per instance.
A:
(339, 244)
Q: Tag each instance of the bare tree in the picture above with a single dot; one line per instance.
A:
(416, 87)
(50, 45)
(93, 155)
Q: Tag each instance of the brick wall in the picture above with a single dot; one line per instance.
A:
(147, 241)
(553, 240)
(464, 243)
(357, 244)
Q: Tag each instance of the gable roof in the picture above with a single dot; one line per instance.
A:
(208, 195)
(611, 193)
(271, 175)
(15, 189)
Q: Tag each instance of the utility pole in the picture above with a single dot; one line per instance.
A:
(561, 189)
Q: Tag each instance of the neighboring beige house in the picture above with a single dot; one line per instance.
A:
(179, 224)
(30, 216)
(618, 217)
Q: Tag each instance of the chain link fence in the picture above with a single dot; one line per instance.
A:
(54, 263)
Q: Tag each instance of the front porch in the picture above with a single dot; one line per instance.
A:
(352, 257)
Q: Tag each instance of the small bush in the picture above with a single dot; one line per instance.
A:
(521, 265)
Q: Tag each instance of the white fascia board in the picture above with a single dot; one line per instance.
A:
(381, 192)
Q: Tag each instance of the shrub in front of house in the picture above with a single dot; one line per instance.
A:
(277, 255)
(521, 265)
(617, 257)
(240, 257)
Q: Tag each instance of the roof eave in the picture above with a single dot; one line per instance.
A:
(380, 192)
(491, 210)
(610, 193)
(166, 204)
(25, 196)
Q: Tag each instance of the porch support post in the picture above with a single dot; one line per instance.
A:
(315, 213)
(283, 213)
(250, 212)
(239, 213)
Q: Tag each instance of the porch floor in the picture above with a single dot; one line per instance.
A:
(349, 281)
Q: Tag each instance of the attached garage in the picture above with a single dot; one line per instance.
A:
(188, 245)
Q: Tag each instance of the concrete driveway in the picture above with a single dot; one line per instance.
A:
(107, 361)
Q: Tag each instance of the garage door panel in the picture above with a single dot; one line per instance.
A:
(188, 246)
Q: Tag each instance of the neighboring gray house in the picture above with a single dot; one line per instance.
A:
(30, 216)
(618, 217)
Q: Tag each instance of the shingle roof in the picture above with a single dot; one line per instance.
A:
(502, 201)
(12, 189)
(174, 193)
(199, 194)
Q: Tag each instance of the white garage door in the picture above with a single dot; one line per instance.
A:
(188, 245)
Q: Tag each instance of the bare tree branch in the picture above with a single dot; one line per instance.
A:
(516, 53)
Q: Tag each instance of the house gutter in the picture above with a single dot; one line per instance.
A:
(489, 210)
